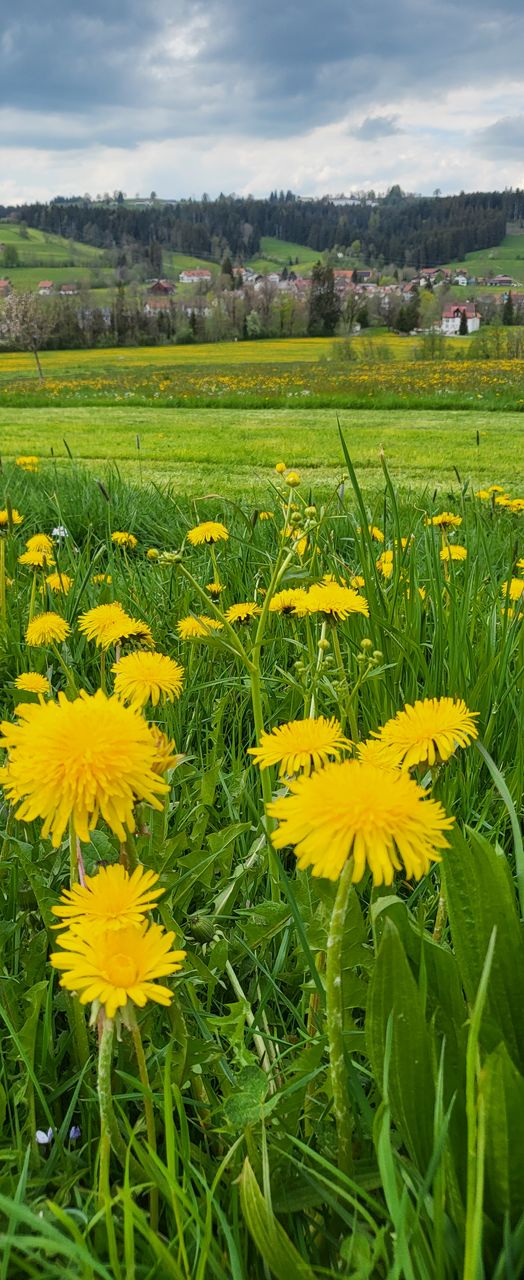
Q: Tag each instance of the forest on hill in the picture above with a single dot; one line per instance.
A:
(405, 230)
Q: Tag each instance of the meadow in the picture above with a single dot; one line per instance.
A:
(230, 450)
(262, 951)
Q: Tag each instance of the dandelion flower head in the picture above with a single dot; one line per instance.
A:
(147, 677)
(32, 682)
(117, 966)
(59, 582)
(300, 745)
(40, 542)
(514, 588)
(80, 760)
(444, 520)
(123, 539)
(429, 731)
(379, 816)
(111, 898)
(454, 553)
(16, 518)
(47, 628)
(243, 612)
(333, 601)
(210, 531)
(198, 628)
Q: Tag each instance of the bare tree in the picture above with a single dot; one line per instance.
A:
(25, 323)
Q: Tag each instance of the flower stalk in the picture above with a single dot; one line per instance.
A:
(335, 1020)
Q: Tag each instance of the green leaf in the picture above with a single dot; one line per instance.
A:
(480, 897)
(277, 1251)
(394, 994)
(503, 1088)
(244, 1105)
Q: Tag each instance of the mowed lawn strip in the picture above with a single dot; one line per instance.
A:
(236, 449)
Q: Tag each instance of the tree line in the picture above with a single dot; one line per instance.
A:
(405, 230)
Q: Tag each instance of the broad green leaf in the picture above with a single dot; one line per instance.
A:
(393, 993)
(481, 896)
(277, 1251)
(245, 1105)
(503, 1088)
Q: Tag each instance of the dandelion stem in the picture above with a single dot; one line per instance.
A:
(71, 683)
(148, 1108)
(335, 1021)
(108, 1122)
(2, 579)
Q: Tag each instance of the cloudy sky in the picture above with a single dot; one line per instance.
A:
(187, 96)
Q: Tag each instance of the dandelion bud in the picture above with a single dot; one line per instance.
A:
(293, 479)
(295, 518)
(323, 645)
(280, 468)
(378, 655)
(311, 512)
(366, 643)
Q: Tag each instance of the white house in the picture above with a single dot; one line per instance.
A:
(45, 287)
(200, 276)
(461, 278)
(452, 316)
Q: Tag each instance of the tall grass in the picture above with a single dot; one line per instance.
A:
(245, 1170)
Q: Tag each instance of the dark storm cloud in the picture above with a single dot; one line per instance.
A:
(503, 138)
(121, 71)
(376, 127)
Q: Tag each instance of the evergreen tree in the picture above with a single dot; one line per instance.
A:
(508, 310)
(324, 307)
(463, 326)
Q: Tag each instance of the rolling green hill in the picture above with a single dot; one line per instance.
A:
(506, 258)
(276, 254)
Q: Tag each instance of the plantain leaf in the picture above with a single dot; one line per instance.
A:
(481, 896)
(394, 994)
(503, 1088)
(275, 1247)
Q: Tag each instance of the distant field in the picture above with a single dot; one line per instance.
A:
(278, 253)
(46, 247)
(23, 278)
(173, 263)
(218, 354)
(506, 258)
(234, 451)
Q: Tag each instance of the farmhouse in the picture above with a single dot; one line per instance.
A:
(161, 287)
(498, 281)
(69, 289)
(200, 276)
(452, 316)
(5, 288)
(157, 302)
(45, 287)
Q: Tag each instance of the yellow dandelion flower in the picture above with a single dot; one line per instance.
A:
(285, 601)
(243, 612)
(300, 745)
(373, 751)
(27, 462)
(266, 515)
(112, 898)
(332, 601)
(516, 506)
(514, 588)
(210, 531)
(147, 677)
(46, 628)
(483, 494)
(197, 628)
(109, 624)
(429, 731)
(123, 539)
(495, 488)
(454, 553)
(357, 582)
(375, 533)
(33, 682)
(99, 579)
(36, 559)
(40, 542)
(293, 479)
(118, 966)
(445, 520)
(59, 582)
(80, 760)
(520, 563)
(280, 468)
(215, 589)
(379, 816)
(166, 757)
(385, 564)
(16, 518)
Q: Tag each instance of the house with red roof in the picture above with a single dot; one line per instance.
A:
(45, 287)
(5, 288)
(452, 316)
(200, 275)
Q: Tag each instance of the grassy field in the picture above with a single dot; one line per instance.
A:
(235, 450)
(291, 1044)
(281, 253)
(46, 247)
(507, 258)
